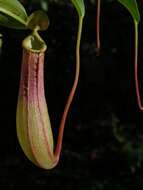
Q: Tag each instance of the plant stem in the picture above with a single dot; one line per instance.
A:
(136, 68)
(72, 92)
(98, 26)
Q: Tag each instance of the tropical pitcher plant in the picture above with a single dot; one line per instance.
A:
(34, 130)
(32, 119)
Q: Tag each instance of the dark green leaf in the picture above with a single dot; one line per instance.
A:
(132, 7)
(79, 5)
(12, 14)
(10, 22)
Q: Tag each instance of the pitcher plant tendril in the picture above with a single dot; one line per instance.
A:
(70, 98)
(136, 68)
(98, 13)
(132, 8)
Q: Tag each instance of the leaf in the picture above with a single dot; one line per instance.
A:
(132, 7)
(79, 5)
(12, 14)
(10, 22)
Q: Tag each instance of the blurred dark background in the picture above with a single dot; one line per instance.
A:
(103, 139)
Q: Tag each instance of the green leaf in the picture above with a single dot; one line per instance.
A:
(79, 5)
(10, 22)
(12, 14)
(132, 7)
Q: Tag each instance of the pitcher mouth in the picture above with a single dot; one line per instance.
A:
(34, 43)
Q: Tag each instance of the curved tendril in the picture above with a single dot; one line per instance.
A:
(136, 68)
(98, 26)
(72, 92)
